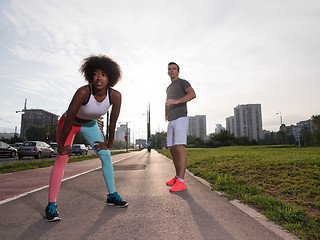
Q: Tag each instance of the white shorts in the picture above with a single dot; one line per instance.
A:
(177, 132)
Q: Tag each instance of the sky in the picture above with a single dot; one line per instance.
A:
(231, 51)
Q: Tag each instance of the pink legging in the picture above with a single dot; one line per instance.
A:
(91, 133)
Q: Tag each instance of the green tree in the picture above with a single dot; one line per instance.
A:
(223, 138)
(281, 137)
(118, 145)
(195, 142)
(158, 140)
(80, 139)
(268, 139)
(242, 141)
(315, 124)
(306, 138)
(35, 133)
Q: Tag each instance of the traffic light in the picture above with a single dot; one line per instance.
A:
(126, 138)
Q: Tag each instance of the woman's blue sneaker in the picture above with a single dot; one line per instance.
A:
(52, 213)
(115, 199)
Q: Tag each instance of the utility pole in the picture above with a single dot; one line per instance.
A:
(148, 122)
(107, 127)
(127, 133)
(148, 128)
(280, 118)
(22, 111)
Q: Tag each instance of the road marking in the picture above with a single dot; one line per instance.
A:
(46, 186)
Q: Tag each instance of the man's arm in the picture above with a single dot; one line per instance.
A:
(189, 96)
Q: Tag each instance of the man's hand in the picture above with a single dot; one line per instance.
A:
(171, 101)
(66, 150)
(100, 145)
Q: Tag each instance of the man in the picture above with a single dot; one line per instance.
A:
(179, 92)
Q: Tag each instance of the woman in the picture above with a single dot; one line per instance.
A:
(89, 103)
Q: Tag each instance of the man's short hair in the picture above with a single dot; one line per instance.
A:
(174, 64)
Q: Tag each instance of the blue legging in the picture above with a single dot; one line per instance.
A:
(92, 134)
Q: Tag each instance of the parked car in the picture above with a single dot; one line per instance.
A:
(16, 145)
(79, 149)
(6, 150)
(54, 146)
(37, 149)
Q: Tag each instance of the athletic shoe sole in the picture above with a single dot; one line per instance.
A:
(54, 219)
(112, 204)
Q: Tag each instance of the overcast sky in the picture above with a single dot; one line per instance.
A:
(231, 51)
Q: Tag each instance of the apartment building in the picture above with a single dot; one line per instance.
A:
(198, 127)
(38, 118)
(247, 121)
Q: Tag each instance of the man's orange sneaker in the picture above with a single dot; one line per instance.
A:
(172, 181)
(178, 186)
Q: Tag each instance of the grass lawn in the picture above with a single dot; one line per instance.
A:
(283, 182)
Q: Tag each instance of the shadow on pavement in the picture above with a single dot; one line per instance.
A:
(207, 225)
(107, 213)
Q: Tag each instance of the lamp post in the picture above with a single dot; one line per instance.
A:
(22, 111)
(148, 128)
(280, 118)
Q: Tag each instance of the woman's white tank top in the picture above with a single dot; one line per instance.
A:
(93, 109)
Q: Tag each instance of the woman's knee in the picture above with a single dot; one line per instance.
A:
(104, 155)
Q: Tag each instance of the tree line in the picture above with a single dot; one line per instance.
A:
(225, 138)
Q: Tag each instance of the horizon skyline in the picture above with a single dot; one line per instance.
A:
(231, 52)
(208, 133)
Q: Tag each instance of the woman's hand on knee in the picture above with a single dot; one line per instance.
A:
(66, 150)
(100, 146)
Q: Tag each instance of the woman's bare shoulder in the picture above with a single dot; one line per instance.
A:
(115, 92)
(84, 90)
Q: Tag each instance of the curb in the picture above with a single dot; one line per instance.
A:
(284, 234)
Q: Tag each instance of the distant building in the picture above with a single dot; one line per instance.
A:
(295, 130)
(38, 118)
(218, 128)
(305, 125)
(121, 133)
(230, 124)
(7, 135)
(141, 142)
(247, 121)
(198, 127)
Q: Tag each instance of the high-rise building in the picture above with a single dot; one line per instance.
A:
(247, 121)
(38, 118)
(198, 127)
(230, 124)
(121, 133)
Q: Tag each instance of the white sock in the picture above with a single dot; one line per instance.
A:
(181, 180)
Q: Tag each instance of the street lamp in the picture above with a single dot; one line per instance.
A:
(280, 118)
(22, 111)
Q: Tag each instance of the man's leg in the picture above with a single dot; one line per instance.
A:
(175, 159)
(179, 156)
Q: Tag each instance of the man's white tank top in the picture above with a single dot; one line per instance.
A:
(93, 109)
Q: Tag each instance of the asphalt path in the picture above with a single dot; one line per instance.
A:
(153, 212)
(8, 160)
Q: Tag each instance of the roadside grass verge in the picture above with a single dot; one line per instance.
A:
(21, 166)
(282, 182)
